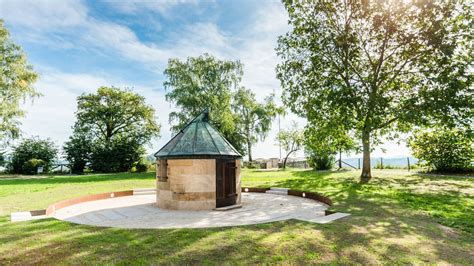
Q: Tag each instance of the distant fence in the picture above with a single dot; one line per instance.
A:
(61, 168)
(379, 163)
(356, 163)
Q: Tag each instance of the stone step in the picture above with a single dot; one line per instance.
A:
(25, 216)
(277, 192)
(144, 189)
(137, 193)
(279, 189)
(329, 218)
(228, 208)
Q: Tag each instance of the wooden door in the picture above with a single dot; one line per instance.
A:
(226, 194)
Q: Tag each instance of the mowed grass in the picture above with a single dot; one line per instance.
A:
(37, 192)
(398, 218)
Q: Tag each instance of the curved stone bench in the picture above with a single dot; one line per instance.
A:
(65, 203)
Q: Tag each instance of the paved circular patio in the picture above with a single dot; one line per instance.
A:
(140, 212)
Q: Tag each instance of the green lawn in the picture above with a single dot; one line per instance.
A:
(398, 218)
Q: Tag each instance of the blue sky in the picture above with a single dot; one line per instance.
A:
(77, 46)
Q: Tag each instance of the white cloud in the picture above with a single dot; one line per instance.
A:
(52, 115)
(258, 51)
(123, 41)
(159, 6)
(43, 14)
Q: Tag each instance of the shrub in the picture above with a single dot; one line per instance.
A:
(33, 148)
(139, 167)
(151, 167)
(30, 167)
(252, 165)
(321, 162)
(447, 150)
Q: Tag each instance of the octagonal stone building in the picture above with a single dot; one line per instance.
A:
(198, 169)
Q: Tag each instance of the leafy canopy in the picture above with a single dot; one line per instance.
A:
(16, 84)
(199, 83)
(204, 82)
(111, 129)
(378, 67)
(253, 119)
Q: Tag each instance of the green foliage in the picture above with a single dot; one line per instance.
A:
(111, 129)
(377, 67)
(252, 165)
(448, 150)
(30, 167)
(139, 167)
(78, 150)
(323, 161)
(2, 159)
(16, 79)
(31, 152)
(204, 82)
(253, 119)
(322, 147)
(291, 140)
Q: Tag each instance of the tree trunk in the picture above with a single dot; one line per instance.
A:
(340, 159)
(284, 161)
(366, 171)
(249, 147)
(249, 144)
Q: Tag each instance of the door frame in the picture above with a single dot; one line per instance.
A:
(226, 170)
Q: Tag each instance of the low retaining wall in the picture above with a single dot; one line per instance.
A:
(255, 189)
(298, 193)
(65, 203)
(311, 195)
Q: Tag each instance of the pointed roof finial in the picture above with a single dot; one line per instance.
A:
(198, 139)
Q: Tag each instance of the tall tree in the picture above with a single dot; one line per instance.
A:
(254, 119)
(204, 82)
(16, 84)
(117, 123)
(291, 140)
(378, 67)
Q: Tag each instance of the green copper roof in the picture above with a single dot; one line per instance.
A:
(198, 139)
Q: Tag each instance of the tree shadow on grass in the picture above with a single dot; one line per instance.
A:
(390, 212)
(52, 241)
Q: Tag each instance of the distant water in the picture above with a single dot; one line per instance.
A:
(397, 162)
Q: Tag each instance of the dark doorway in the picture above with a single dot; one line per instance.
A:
(226, 194)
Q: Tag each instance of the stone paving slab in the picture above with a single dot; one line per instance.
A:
(25, 216)
(139, 211)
